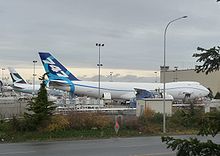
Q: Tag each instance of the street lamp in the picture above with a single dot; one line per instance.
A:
(3, 74)
(176, 68)
(34, 62)
(155, 76)
(164, 69)
(99, 65)
(111, 73)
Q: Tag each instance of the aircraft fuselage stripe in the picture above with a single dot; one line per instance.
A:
(173, 88)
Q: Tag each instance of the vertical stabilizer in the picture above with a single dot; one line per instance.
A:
(55, 70)
(16, 78)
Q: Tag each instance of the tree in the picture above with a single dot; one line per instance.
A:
(209, 125)
(217, 96)
(39, 108)
(210, 59)
(210, 122)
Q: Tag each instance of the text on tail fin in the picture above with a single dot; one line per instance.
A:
(55, 69)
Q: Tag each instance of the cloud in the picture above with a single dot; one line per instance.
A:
(131, 30)
(119, 78)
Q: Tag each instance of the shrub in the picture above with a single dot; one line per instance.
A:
(176, 121)
(89, 120)
(5, 127)
(58, 122)
(157, 118)
(102, 121)
(150, 129)
(150, 122)
(132, 123)
(217, 96)
(185, 119)
(147, 116)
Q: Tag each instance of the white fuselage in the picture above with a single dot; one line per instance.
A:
(126, 90)
(26, 88)
(30, 89)
(61, 78)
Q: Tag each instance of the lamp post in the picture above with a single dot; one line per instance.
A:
(111, 73)
(155, 76)
(34, 62)
(176, 68)
(99, 65)
(164, 69)
(3, 74)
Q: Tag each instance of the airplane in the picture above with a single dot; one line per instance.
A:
(61, 78)
(20, 85)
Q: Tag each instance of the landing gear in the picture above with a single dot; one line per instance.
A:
(186, 98)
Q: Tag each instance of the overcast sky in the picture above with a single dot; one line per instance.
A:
(132, 31)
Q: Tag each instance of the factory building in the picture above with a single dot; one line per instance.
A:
(212, 80)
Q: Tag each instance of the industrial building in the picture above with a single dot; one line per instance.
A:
(155, 104)
(212, 80)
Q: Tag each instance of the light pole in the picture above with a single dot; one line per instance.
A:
(155, 76)
(176, 68)
(111, 73)
(164, 69)
(99, 65)
(3, 74)
(34, 62)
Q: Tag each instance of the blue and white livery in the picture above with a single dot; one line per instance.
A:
(21, 85)
(61, 78)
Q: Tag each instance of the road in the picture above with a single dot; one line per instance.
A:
(137, 146)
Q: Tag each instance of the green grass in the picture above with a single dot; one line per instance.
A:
(67, 135)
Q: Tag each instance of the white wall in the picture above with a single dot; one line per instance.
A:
(154, 104)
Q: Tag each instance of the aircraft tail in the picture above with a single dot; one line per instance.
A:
(16, 78)
(55, 70)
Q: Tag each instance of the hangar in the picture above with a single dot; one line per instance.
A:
(212, 80)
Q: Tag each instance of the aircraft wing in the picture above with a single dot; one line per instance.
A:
(57, 83)
(138, 93)
(143, 93)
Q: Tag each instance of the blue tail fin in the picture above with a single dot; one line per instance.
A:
(55, 70)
